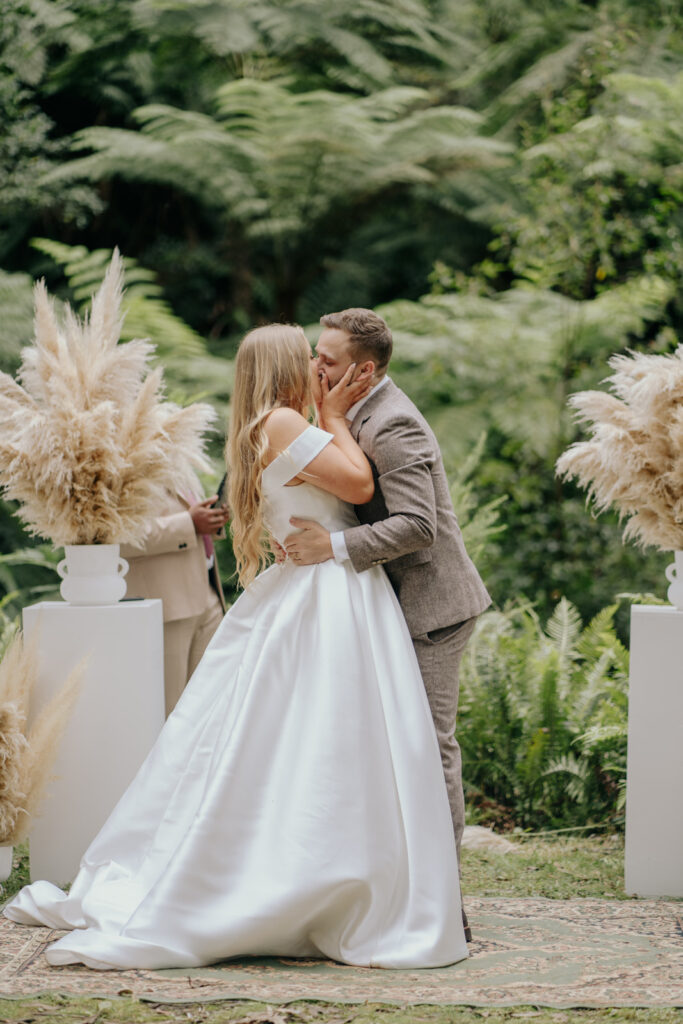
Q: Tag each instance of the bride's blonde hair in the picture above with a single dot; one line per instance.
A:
(272, 370)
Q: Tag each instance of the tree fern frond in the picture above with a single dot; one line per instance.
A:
(638, 119)
(496, 61)
(564, 629)
(16, 302)
(193, 373)
(595, 686)
(224, 28)
(515, 344)
(596, 735)
(353, 33)
(575, 772)
(598, 634)
(279, 160)
(358, 52)
(479, 523)
(546, 76)
(145, 312)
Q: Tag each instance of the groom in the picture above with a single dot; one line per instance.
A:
(409, 526)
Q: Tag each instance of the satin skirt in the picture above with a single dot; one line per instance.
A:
(294, 803)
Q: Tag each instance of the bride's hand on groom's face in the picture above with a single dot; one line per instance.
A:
(346, 392)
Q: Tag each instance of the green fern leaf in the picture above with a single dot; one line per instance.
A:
(564, 629)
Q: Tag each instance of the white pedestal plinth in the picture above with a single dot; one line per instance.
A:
(117, 717)
(654, 778)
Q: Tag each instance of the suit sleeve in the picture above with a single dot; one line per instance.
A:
(403, 458)
(164, 535)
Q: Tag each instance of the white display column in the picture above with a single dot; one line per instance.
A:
(654, 778)
(118, 715)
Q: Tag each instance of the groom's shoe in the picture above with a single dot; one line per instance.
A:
(466, 927)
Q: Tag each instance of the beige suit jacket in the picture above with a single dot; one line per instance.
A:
(409, 526)
(171, 564)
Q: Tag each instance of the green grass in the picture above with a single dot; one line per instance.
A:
(124, 1010)
(556, 867)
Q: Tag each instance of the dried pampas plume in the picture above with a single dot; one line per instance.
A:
(88, 446)
(634, 459)
(26, 756)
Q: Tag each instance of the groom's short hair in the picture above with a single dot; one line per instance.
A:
(369, 334)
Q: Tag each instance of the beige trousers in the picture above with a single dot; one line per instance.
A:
(439, 654)
(185, 641)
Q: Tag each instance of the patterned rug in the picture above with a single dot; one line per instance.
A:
(559, 953)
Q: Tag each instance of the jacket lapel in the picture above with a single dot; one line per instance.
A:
(366, 411)
(356, 425)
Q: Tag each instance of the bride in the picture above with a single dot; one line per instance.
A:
(294, 803)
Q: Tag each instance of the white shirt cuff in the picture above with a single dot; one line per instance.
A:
(339, 548)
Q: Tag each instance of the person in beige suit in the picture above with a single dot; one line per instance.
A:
(409, 525)
(176, 563)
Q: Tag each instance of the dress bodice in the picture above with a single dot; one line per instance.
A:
(304, 500)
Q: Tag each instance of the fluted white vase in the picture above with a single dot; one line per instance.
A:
(92, 574)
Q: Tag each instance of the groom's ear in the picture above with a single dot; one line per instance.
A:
(365, 370)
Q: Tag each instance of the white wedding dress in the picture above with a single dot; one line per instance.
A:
(294, 803)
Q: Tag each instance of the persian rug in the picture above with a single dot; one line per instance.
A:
(558, 953)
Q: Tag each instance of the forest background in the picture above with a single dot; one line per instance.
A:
(501, 179)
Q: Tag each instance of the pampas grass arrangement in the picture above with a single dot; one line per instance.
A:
(26, 755)
(634, 459)
(88, 446)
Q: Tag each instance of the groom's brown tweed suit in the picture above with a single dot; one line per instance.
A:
(410, 528)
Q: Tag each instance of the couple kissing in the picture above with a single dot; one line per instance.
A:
(304, 797)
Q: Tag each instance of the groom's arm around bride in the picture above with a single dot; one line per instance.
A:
(409, 525)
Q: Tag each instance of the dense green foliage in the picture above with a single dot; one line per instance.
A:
(502, 179)
(543, 718)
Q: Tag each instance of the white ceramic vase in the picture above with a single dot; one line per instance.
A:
(674, 574)
(92, 574)
(5, 862)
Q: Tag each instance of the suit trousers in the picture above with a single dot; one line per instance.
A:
(439, 654)
(185, 641)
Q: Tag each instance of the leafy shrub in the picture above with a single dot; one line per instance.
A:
(543, 718)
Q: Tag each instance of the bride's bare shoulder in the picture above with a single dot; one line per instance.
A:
(283, 426)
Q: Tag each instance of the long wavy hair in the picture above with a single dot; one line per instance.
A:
(272, 370)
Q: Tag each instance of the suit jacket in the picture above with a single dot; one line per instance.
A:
(170, 563)
(409, 526)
